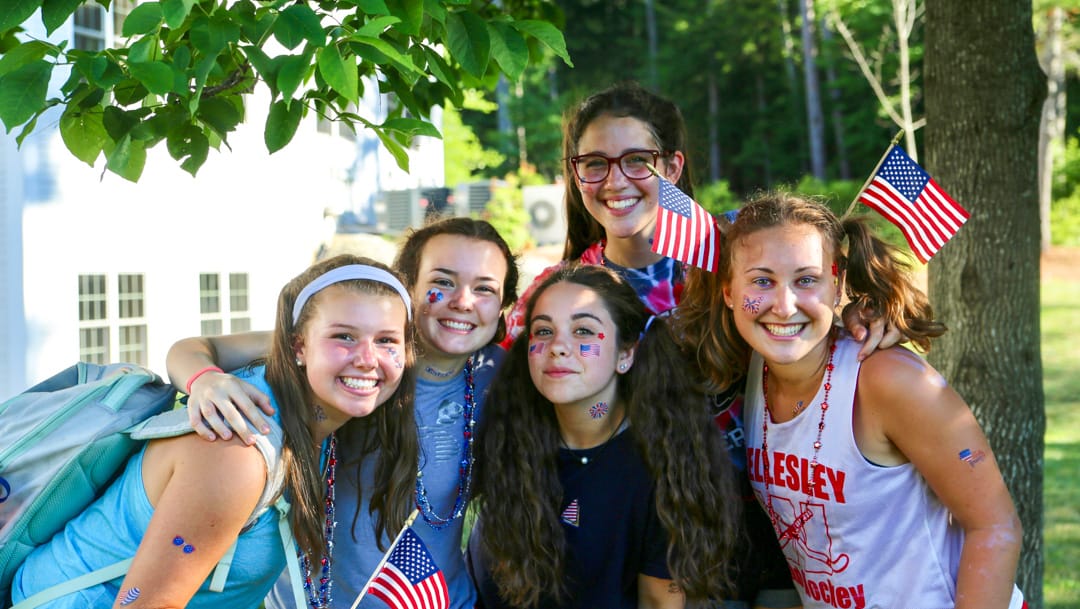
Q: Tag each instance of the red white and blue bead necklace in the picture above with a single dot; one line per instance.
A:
(322, 600)
(465, 468)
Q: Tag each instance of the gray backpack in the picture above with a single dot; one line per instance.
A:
(67, 438)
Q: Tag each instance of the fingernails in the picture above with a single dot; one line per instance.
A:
(265, 430)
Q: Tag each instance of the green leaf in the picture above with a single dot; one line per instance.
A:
(129, 91)
(16, 12)
(145, 49)
(547, 34)
(220, 114)
(436, 11)
(210, 36)
(55, 13)
(397, 150)
(127, 158)
(411, 13)
(292, 71)
(25, 53)
(156, 76)
(281, 124)
(83, 134)
(373, 7)
(389, 52)
(468, 41)
(509, 49)
(145, 18)
(265, 67)
(339, 72)
(176, 11)
(376, 26)
(411, 127)
(117, 122)
(27, 129)
(296, 24)
(191, 144)
(22, 92)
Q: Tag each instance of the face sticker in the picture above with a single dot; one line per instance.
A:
(129, 596)
(835, 274)
(600, 336)
(396, 357)
(178, 541)
(320, 415)
(590, 350)
(598, 410)
(434, 296)
(537, 349)
(752, 305)
(971, 458)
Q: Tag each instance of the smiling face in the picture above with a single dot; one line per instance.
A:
(353, 350)
(458, 295)
(574, 356)
(782, 292)
(625, 208)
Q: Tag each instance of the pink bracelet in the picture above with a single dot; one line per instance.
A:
(191, 380)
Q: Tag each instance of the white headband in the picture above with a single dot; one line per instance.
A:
(348, 273)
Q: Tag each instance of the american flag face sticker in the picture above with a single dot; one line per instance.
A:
(752, 305)
(590, 350)
(570, 515)
(537, 348)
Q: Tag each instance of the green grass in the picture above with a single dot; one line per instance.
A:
(1061, 485)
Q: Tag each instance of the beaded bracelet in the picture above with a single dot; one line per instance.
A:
(191, 380)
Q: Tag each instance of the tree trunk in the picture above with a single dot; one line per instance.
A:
(650, 30)
(714, 128)
(835, 110)
(983, 91)
(1052, 127)
(815, 120)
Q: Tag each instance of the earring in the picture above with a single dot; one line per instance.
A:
(299, 363)
(622, 367)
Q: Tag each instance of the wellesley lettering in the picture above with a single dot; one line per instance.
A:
(793, 472)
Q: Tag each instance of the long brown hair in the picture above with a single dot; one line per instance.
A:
(627, 99)
(517, 480)
(391, 428)
(877, 279)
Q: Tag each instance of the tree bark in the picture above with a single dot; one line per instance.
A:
(983, 92)
(815, 120)
(1052, 127)
(836, 112)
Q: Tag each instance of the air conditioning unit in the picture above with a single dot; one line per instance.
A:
(547, 214)
(399, 210)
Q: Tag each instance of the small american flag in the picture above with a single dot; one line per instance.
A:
(907, 196)
(570, 515)
(684, 230)
(410, 579)
(590, 350)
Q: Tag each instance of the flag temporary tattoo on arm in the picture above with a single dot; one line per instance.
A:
(129, 596)
(971, 458)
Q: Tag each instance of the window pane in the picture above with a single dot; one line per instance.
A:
(240, 324)
(210, 327)
(209, 293)
(238, 292)
(133, 344)
(131, 295)
(94, 345)
(92, 297)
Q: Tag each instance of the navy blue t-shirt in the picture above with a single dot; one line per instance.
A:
(612, 531)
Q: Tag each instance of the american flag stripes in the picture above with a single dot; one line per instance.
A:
(410, 579)
(684, 230)
(907, 196)
(590, 350)
(570, 515)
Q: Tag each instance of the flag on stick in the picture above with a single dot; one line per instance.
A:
(407, 577)
(684, 230)
(907, 196)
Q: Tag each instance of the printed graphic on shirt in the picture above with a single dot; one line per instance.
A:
(571, 515)
(445, 434)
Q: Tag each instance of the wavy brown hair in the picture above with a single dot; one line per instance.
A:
(391, 428)
(627, 99)
(877, 279)
(518, 444)
(412, 250)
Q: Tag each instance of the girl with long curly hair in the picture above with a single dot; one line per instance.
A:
(601, 481)
(881, 486)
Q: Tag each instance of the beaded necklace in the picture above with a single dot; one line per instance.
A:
(817, 441)
(323, 599)
(465, 468)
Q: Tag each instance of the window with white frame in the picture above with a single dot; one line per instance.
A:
(223, 303)
(89, 25)
(105, 329)
(338, 128)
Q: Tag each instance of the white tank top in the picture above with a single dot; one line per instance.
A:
(865, 536)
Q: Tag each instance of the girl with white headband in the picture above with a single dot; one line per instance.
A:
(461, 274)
(341, 349)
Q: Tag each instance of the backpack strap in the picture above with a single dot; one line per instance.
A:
(93, 578)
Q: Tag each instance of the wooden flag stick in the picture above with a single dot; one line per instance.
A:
(408, 523)
(895, 141)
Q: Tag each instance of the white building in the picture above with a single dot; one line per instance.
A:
(99, 269)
